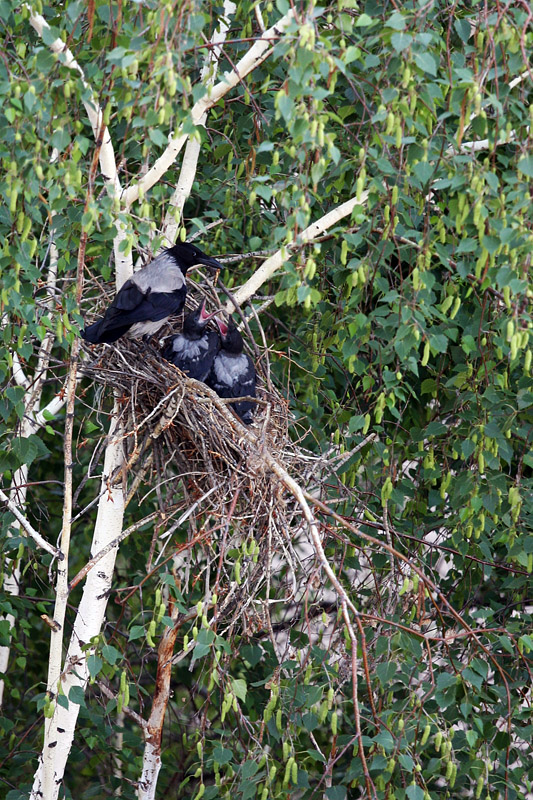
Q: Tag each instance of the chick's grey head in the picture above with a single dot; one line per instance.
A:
(189, 255)
(231, 339)
(195, 322)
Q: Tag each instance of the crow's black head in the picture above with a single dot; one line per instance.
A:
(188, 255)
(195, 322)
(232, 341)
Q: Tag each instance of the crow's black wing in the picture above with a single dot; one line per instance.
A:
(131, 306)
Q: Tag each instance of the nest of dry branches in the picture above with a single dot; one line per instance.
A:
(206, 465)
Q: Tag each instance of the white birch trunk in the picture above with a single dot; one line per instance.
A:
(32, 421)
(59, 729)
(150, 772)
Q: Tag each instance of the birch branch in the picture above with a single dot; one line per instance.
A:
(272, 264)
(51, 409)
(154, 727)
(51, 282)
(19, 376)
(62, 586)
(92, 106)
(192, 150)
(28, 426)
(108, 167)
(21, 519)
(255, 56)
(483, 144)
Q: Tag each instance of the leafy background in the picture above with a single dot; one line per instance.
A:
(410, 321)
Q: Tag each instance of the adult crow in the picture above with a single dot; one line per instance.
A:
(194, 349)
(233, 372)
(146, 300)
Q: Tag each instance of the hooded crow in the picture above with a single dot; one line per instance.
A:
(194, 349)
(233, 372)
(145, 301)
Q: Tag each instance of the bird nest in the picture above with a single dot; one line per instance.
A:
(207, 467)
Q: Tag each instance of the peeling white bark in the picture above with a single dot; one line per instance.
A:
(150, 773)
(272, 264)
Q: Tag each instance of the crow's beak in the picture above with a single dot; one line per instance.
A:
(210, 262)
(223, 328)
(206, 317)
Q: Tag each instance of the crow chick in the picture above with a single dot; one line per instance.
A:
(194, 349)
(145, 301)
(233, 372)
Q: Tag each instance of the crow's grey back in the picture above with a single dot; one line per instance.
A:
(160, 275)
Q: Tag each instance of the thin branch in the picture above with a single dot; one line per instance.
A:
(258, 53)
(272, 264)
(54, 551)
(62, 586)
(19, 376)
(129, 712)
(192, 150)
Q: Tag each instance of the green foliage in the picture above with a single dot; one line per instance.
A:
(409, 321)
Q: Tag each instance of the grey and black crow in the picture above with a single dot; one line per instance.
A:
(194, 349)
(233, 372)
(146, 300)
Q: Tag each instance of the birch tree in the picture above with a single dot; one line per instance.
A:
(364, 175)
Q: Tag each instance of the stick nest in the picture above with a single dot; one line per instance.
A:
(204, 458)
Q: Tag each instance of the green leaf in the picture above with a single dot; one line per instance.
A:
(426, 63)
(396, 21)
(111, 654)
(28, 449)
(239, 685)
(436, 429)
(525, 165)
(222, 755)
(77, 696)
(424, 171)
(438, 342)
(158, 137)
(336, 792)
(401, 41)
(285, 105)
(94, 664)
(462, 26)
(414, 792)
(136, 632)
(384, 738)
